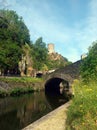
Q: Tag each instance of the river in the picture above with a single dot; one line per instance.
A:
(18, 112)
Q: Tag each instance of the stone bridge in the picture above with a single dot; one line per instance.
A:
(62, 79)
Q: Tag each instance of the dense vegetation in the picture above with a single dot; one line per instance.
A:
(89, 65)
(55, 61)
(40, 54)
(16, 47)
(13, 35)
(82, 114)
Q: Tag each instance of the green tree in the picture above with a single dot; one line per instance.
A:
(89, 64)
(9, 56)
(13, 35)
(12, 27)
(39, 54)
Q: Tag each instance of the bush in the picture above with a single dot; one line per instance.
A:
(89, 64)
(18, 91)
(3, 93)
(82, 114)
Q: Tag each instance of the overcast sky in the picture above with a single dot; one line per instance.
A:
(70, 24)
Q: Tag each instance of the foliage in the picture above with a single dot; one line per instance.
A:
(20, 79)
(9, 56)
(44, 61)
(18, 90)
(82, 113)
(89, 64)
(15, 43)
(13, 35)
(54, 62)
(39, 54)
(13, 28)
(3, 93)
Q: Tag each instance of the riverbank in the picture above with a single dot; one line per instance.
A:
(82, 113)
(55, 120)
(12, 86)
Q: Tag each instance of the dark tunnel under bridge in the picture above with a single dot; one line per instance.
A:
(56, 86)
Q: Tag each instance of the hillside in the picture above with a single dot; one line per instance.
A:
(57, 61)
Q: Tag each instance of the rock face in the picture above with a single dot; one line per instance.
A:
(25, 65)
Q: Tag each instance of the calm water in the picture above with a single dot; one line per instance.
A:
(18, 112)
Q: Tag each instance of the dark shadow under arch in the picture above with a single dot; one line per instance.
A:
(56, 85)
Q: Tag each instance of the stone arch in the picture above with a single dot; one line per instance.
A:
(57, 83)
(66, 74)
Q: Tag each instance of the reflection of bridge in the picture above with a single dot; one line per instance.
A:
(62, 78)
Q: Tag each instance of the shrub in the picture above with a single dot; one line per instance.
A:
(82, 114)
(89, 64)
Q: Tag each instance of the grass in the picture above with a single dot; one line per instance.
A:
(18, 91)
(25, 86)
(82, 114)
(20, 79)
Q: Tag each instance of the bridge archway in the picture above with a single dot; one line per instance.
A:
(56, 85)
(62, 76)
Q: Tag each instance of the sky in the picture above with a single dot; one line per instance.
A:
(71, 25)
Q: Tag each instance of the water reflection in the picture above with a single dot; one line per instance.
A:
(18, 112)
(55, 100)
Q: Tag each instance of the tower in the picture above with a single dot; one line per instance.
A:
(51, 48)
